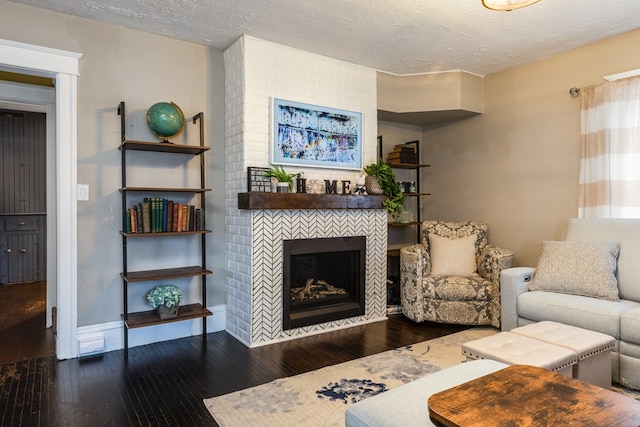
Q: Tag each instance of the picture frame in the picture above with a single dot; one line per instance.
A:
(315, 136)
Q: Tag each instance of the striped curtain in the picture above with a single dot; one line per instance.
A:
(610, 164)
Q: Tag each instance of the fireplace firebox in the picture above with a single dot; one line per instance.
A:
(324, 280)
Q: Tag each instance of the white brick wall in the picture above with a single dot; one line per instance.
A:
(255, 72)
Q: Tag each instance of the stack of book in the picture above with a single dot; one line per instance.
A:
(158, 215)
(403, 153)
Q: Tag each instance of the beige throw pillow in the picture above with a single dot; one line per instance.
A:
(453, 257)
(578, 268)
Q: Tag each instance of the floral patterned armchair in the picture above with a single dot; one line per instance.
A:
(439, 293)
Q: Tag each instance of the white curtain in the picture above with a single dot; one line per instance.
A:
(610, 164)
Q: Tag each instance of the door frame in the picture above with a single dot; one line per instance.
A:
(63, 67)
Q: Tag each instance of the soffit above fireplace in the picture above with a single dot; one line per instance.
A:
(256, 200)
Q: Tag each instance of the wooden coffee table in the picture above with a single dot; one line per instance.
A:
(523, 395)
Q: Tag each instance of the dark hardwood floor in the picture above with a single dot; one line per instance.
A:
(164, 384)
(23, 332)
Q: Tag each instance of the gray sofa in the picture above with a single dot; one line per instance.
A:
(526, 298)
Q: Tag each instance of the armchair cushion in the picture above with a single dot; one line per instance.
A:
(579, 268)
(455, 257)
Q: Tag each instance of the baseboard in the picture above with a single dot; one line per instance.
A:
(110, 336)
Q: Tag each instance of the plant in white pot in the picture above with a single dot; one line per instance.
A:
(165, 299)
(285, 179)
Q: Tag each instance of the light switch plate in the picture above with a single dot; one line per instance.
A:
(83, 192)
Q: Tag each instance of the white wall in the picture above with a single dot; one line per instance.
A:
(256, 71)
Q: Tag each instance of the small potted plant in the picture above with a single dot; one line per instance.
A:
(389, 186)
(165, 299)
(284, 178)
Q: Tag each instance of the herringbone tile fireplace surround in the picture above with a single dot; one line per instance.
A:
(269, 228)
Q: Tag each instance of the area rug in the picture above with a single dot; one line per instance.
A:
(320, 398)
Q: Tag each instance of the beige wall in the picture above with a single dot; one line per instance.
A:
(516, 166)
(119, 64)
(450, 90)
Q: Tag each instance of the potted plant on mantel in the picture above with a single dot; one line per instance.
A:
(387, 184)
(285, 179)
(165, 299)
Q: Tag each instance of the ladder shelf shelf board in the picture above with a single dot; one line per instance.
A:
(165, 273)
(163, 147)
(149, 318)
(165, 233)
(165, 189)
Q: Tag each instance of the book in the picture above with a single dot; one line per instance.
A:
(159, 215)
(146, 224)
(170, 216)
(176, 209)
(138, 213)
(179, 216)
(130, 225)
(402, 157)
(165, 205)
(154, 214)
(192, 218)
(185, 217)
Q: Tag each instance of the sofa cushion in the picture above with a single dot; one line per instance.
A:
(584, 268)
(625, 231)
(584, 312)
(453, 257)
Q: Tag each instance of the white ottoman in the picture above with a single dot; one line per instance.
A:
(593, 348)
(516, 349)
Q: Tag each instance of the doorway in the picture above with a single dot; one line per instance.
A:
(23, 222)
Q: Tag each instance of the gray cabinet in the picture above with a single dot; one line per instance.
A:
(22, 248)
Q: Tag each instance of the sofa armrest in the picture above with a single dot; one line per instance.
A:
(414, 265)
(513, 282)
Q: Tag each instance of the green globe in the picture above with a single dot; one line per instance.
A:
(165, 119)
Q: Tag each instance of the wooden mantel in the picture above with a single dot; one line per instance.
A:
(256, 200)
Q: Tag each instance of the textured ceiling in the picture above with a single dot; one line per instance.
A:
(396, 36)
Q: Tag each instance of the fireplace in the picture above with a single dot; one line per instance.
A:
(323, 280)
(256, 263)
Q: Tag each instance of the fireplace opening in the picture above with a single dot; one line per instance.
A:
(324, 280)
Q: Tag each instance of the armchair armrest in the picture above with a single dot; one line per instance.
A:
(513, 282)
(414, 265)
(491, 262)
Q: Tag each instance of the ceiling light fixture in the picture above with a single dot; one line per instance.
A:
(507, 5)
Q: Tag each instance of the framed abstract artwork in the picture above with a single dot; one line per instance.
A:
(314, 136)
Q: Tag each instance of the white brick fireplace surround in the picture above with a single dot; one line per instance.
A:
(255, 72)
